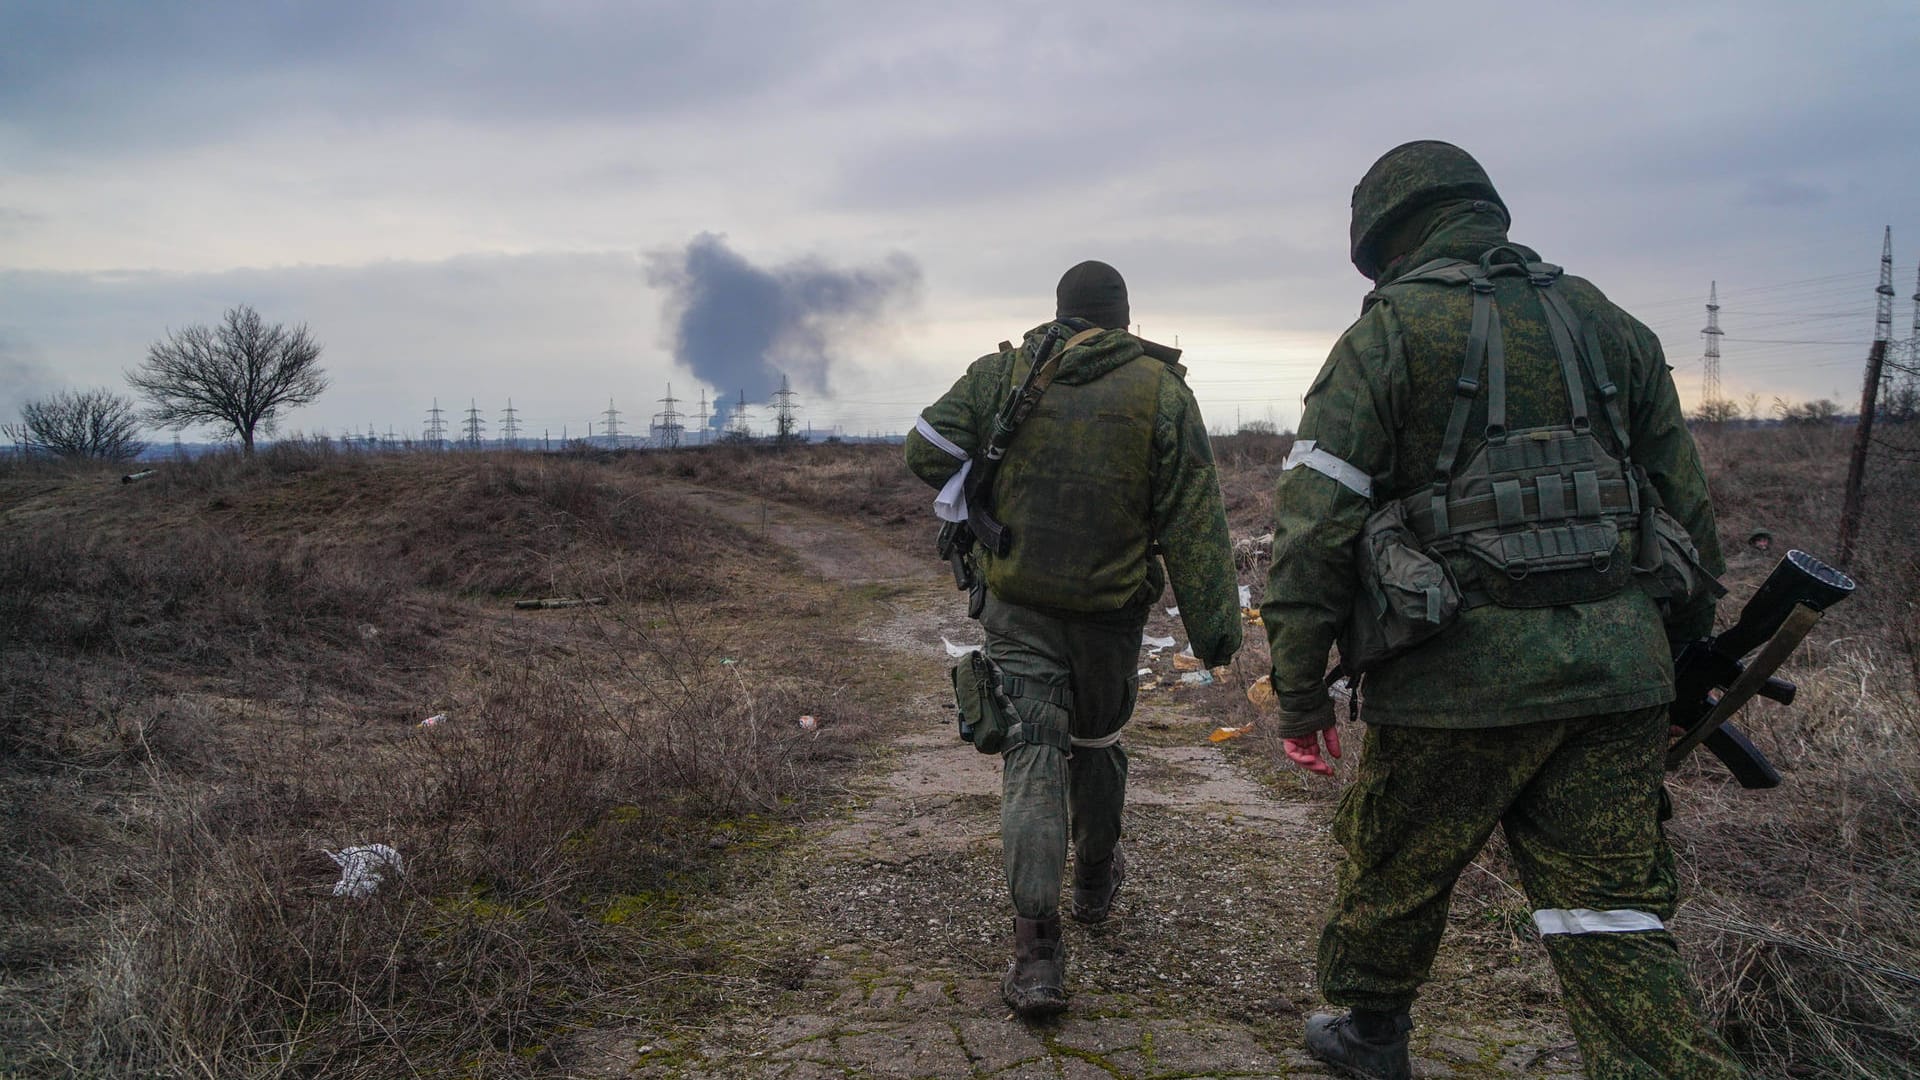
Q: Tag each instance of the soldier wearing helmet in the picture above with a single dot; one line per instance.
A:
(1495, 513)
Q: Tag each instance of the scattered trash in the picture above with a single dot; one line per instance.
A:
(808, 723)
(1261, 692)
(1222, 734)
(1251, 551)
(1155, 644)
(1174, 612)
(728, 661)
(1246, 596)
(957, 651)
(369, 632)
(1184, 660)
(1197, 678)
(1144, 673)
(363, 868)
(559, 602)
(1250, 614)
(434, 721)
(142, 475)
(1341, 690)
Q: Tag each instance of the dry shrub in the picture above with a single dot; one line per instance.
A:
(190, 714)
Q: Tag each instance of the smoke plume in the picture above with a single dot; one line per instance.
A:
(739, 327)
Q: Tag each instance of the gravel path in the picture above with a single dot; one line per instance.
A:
(883, 931)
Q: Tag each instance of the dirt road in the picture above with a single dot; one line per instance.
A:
(886, 926)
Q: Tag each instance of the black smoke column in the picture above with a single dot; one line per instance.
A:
(739, 327)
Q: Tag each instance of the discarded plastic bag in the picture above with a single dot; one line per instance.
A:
(1184, 660)
(435, 720)
(1222, 734)
(1155, 644)
(1197, 678)
(808, 723)
(957, 651)
(1246, 596)
(362, 868)
(1261, 692)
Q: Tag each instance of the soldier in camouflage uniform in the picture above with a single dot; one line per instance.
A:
(1539, 707)
(1112, 469)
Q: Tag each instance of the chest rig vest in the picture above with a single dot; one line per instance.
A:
(1543, 516)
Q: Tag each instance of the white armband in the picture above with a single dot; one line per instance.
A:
(1306, 452)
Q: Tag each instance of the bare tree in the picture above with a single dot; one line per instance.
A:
(83, 424)
(239, 375)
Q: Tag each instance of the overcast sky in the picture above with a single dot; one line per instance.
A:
(481, 201)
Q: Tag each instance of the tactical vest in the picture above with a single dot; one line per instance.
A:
(1074, 490)
(1539, 517)
(1550, 511)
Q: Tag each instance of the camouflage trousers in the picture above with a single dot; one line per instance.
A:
(1073, 674)
(1579, 801)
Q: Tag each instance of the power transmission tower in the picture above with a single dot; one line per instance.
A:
(436, 434)
(703, 416)
(1710, 377)
(1869, 404)
(612, 427)
(510, 426)
(737, 424)
(783, 412)
(475, 425)
(667, 424)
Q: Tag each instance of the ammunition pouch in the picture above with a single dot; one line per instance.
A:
(1406, 595)
(984, 695)
(1668, 564)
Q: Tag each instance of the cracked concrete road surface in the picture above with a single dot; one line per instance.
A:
(887, 926)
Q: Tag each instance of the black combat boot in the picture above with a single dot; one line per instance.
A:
(1094, 887)
(1036, 983)
(1364, 1043)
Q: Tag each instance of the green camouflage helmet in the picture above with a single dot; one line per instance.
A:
(1406, 178)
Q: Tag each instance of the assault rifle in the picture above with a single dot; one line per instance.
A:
(957, 538)
(1712, 680)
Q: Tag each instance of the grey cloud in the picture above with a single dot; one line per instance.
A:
(1779, 192)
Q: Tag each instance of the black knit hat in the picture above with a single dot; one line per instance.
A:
(1095, 292)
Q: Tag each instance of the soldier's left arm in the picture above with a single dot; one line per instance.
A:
(1189, 521)
(1320, 502)
(1664, 447)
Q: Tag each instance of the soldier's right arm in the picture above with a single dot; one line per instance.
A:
(1664, 447)
(960, 418)
(1318, 510)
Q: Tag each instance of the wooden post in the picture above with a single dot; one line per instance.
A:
(1857, 467)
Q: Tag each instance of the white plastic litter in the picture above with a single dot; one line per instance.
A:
(808, 723)
(1197, 678)
(435, 720)
(1155, 644)
(362, 868)
(1174, 612)
(958, 651)
(1246, 596)
(1144, 673)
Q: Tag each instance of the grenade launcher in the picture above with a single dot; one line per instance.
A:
(1713, 680)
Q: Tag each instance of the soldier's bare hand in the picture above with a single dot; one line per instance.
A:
(1305, 750)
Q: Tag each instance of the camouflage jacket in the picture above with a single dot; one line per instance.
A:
(1381, 404)
(1180, 505)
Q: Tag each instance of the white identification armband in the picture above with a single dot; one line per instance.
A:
(951, 503)
(1307, 452)
(1588, 921)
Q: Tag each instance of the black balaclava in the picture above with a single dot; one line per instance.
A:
(1095, 292)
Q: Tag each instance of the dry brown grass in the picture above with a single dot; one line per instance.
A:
(208, 678)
